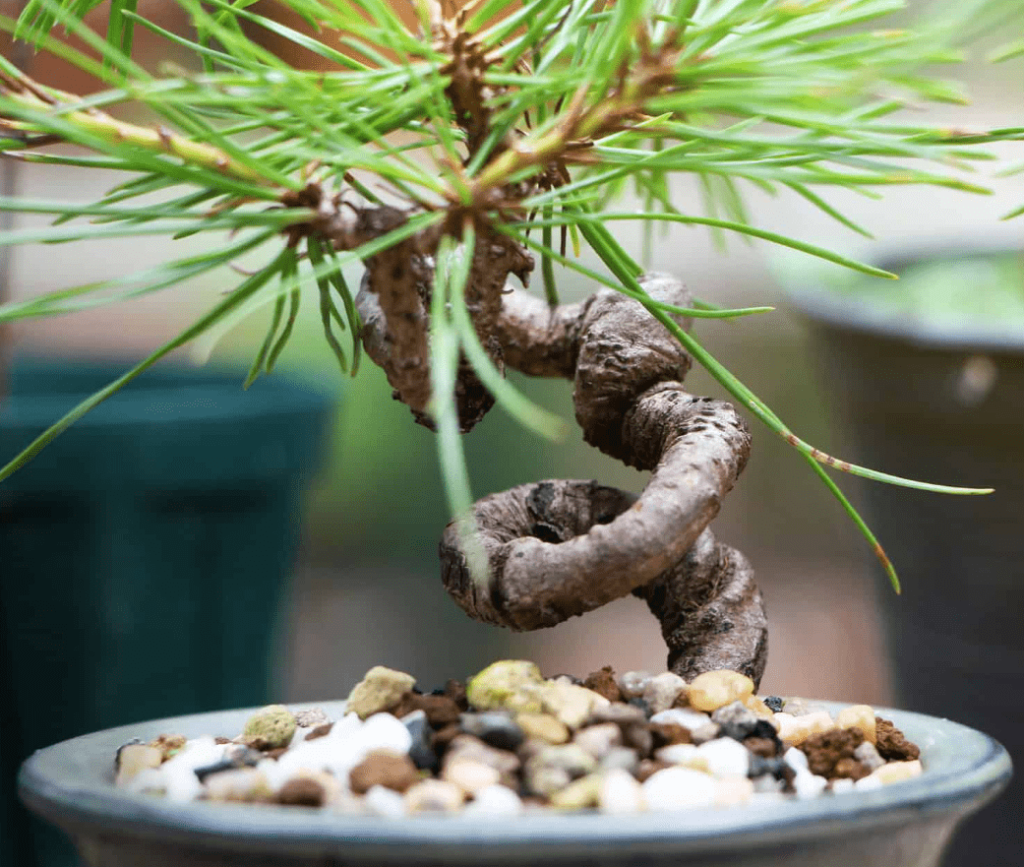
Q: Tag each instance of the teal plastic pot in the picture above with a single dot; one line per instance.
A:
(145, 554)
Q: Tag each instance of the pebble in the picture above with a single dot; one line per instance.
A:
(662, 690)
(841, 786)
(495, 801)
(713, 689)
(859, 716)
(796, 760)
(580, 794)
(621, 714)
(420, 750)
(796, 729)
(633, 683)
(511, 684)
(735, 720)
(494, 728)
(133, 758)
(434, 796)
(681, 716)
(311, 718)
(620, 759)
(239, 784)
(543, 727)
(469, 747)
(469, 775)
(168, 744)
(773, 703)
(603, 683)
(767, 783)
(868, 756)
(303, 792)
(807, 785)
(270, 728)
(678, 789)
(384, 802)
(897, 772)
(686, 755)
(702, 734)
(599, 740)
(380, 690)
(392, 771)
(730, 791)
(725, 757)
(573, 705)
(620, 793)
(553, 768)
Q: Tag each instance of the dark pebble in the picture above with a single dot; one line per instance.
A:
(496, 729)
(320, 731)
(421, 752)
(241, 759)
(639, 737)
(764, 729)
(774, 703)
(456, 691)
(643, 705)
(775, 767)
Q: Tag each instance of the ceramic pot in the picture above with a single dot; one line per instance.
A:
(942, 402)
(903, 825)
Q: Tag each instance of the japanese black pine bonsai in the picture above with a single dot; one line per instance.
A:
(456, 158)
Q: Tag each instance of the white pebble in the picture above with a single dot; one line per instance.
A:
(868, 783)
(620, 793)
(384, 802)
(382, 731)
(807, 785)
(730, 791)
(469, 775)
(495, 801)
(180, 782)
(686, 755)
(681, 716)
(842, 786)
(661, 691)
(726, 757)
(633, 683)
(678, 789)
(796, 759)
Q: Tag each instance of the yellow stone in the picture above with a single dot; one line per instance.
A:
(752, 702)
(897, 772)
(579, 795)
(715, 689)
(134, 758)
(544, 727)
(859, 716)
(797, 729)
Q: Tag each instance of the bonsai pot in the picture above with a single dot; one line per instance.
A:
(145, 553)
(942, 399)
(902, 825)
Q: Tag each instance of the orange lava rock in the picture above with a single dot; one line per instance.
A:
(603, 683)
(891, 743)
(830, 754)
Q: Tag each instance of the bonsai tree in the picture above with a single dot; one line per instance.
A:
(455, 154)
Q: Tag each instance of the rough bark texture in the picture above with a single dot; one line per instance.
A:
(561, 548)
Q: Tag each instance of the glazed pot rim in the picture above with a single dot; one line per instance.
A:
(71, 784)
(831, 309)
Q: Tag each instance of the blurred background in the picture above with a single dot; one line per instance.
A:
(364, 588)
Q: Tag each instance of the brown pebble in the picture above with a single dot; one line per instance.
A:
(456, 691)
(892, 745)
(275, 753)
(441, 710)
(850, 769)
(603, 683)
(168, 744)
(302, 792)
(764, 747)
(825, 750)
(389, 770)
(649, 767)
(221, 741)
(667, 734)
(320, 731)
(444, 736)
(639, 737)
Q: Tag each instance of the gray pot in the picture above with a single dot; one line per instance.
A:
(945, 405)
(904, 825)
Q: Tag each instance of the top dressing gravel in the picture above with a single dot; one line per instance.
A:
(511, 741)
